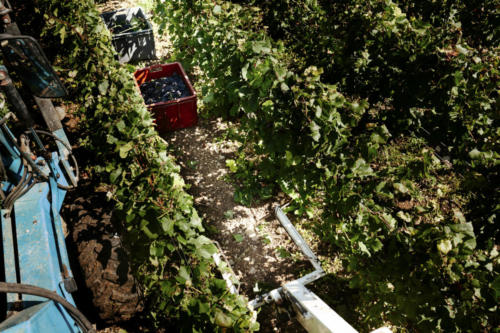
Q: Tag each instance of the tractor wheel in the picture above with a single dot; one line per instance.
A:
(104, 264)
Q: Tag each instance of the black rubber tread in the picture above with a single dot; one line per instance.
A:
(104, 265)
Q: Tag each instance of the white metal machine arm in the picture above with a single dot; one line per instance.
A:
(312, 313)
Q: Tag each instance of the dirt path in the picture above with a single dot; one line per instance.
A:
(257, 247)
(253, 241)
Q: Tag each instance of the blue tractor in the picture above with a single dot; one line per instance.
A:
(37, 168)
(35, 274)
(38, 281)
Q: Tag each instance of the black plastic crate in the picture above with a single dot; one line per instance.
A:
(132, 34)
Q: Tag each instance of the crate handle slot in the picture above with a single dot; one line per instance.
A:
(141, 77)
(121, 11)
(156, 68)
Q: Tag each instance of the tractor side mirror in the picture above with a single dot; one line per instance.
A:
(24, 56)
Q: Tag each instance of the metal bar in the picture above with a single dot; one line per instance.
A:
(297, 238)
(274, 295)
(9, 255)
(225, 275)
(312, 313)
(64, 153)
(311, 277)
(49, 113)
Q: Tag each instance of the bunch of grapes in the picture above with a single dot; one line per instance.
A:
(164, 89)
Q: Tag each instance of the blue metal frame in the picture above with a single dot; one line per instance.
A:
(34, 248)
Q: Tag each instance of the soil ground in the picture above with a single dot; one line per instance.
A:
(259, 250)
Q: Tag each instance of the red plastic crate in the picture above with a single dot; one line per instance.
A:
(175, 114)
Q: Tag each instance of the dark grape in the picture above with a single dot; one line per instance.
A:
(164, 89)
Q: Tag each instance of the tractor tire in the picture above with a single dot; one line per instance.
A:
(104, 264)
